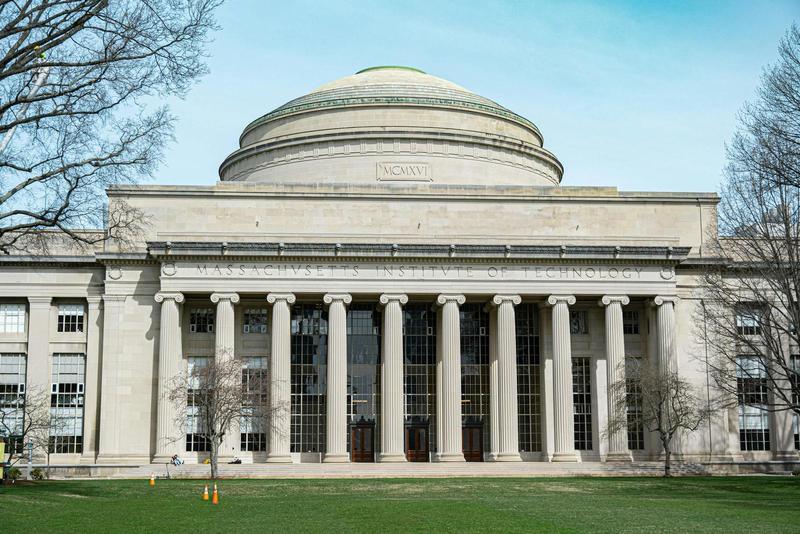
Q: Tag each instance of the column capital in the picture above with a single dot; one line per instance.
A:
(233, 297)
(161, 296)
(94, 300)
(386, 298)
(608, 299)
(497, 300)
(116, 300)
(272, 298)
(441, 300)
(330, 298)
(552, 300)
(40, 302)
(660, 300)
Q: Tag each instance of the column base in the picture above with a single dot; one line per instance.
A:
(507, 457)
(391, 458)
(108, 459)
(449, 457)
(619, 457)
(279, 458)
(336, 458)
(88, 458)
(564, 457)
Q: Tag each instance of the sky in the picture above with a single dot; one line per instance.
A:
(638, 95)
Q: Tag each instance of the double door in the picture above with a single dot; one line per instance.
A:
(417, 443)
(472, 442)
(362, 442)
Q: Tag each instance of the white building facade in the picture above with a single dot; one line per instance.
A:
(399, 255)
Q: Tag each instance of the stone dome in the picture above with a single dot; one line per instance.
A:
(392, 124)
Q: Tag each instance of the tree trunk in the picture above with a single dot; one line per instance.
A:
(214, 457)
(667, 458)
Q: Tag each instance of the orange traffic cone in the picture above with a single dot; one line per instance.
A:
(205, 493)
(215, 498)
(152, 480)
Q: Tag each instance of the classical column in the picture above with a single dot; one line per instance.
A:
(94, 326)
(562, 379)
(449, 395)
(336, 424)
(615, 372)
(224, 352)
(280, 374)
(494, 411)
(392, 447)
(169, 431)
(506, 351)
(665, 326)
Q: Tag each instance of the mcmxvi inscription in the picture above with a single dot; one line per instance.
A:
(409, 172)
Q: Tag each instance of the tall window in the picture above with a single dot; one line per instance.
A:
(363, 364)
(254, 321)
(419, 340)
(196, 441)
(633, 401)
(582, 402)
(201, 320)
(578, 322)
(795, 382)
(70, 317)
(309, 368)
(12, 399)
(475, 367)
(630, 322)
(748, 320)
(751, 384)
(12, 318)
(253, 426)
(529, 399)
(66, 403)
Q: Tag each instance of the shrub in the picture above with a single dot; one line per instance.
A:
(37, 474)
(14, 473)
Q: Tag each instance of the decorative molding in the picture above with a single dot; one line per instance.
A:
(161, 296)
(329, 298)
(233, 297)
(552, 300)
(272, 298)
(497, 300)
(608, 299)
(441, 300)
(388, 297)
(660, 300)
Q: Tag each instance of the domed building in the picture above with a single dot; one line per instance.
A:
(399, 258)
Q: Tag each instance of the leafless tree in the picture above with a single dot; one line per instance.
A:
(667, 404)
(82, 84)
(24, 418)
(217, 396)
(751, 309)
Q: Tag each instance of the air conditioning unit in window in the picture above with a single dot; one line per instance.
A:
(192, 328)
(246, 328)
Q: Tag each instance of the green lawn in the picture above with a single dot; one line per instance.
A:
(719, 504)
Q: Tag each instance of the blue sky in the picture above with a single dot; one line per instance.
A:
(638, 95)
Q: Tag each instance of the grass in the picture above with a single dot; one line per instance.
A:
(718, 504)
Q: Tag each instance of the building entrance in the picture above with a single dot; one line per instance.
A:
(362, 441)
(417, 440)
(472, 442)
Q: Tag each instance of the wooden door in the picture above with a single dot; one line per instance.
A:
(362, 443)
(472, 443)
(417, 443)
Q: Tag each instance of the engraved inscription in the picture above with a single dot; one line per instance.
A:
(404, 171)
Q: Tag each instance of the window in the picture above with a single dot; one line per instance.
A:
(253, 425)
(66, 403)
(751, 384)
(475, 367)
(12, 318)
(309, 367)
(419, 384)
(633, 401)
(70, 317)
(255, 321)
(630, 322)
(201, 321)
(578, 322)
(529, 400)
(748, 321)
(196, 440)
(582, 402)
(12, 399)
(363, 365)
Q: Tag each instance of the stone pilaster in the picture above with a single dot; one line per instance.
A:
(91, 406)
(562, 379)
(336, 424)
(392, 438)
(666, 347)
(506, 350)
(224, 344)
(450, 448)
(111, 444)
(39, 362)
(280, 374)
(169, 431)
(615, 372)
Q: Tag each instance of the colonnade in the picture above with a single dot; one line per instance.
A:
(503, 373)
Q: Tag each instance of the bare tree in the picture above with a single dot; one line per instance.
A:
(751, 309)
(24, 418)
(667, 404)
(216, 397)
(81, 90)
